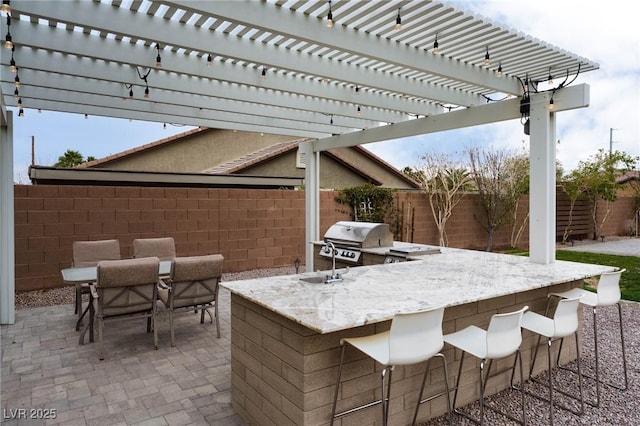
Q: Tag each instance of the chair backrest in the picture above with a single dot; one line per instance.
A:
(504, 334)
(164, 248)
(127, 286)
(194, 280)
(89, 253)
(609, 288)
(415, 336)
(565, 319)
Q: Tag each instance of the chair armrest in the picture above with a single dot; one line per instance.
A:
(93, 290)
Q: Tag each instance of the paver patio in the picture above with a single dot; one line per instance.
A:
(43, 367)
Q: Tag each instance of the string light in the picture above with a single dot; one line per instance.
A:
(6, 6)
(86, 116)
(331, 119)
(487, 59)
(8, 40)
(144, 78)
(329, 17)
(21, 113)
(16, 81)
(398, 26)
(499, 72)
(158, 58)
(550, 79)
(20, 102)
(358, 111)
(551, 106)
(209, 60)
(357, 90)
(12, 63)
(263, 74)
(436, 46)
(16, 93)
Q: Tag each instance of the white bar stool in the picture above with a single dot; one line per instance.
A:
(608, 294)
(501, 339)
(564, 323)
(413, 338)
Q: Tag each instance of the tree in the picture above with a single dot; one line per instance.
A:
(444, 182)
(500, 178)
(70, 158)
(417, 175)
(596, 179)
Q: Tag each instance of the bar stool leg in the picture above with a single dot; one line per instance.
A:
(596, 378)
(335, 396)
(386, 373)
(446, 391)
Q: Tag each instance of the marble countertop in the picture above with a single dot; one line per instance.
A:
(376, 293)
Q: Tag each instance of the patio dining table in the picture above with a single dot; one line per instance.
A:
(89, 274)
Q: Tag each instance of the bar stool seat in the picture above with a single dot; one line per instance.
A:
(501, 339)
(413, 338)
(607, 294)
(564, 323)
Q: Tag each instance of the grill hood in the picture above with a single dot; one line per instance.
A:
(360, 234)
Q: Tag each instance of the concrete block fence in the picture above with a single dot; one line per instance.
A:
(251, 228)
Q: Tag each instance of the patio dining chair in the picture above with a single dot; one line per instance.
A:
(163, 248)
(193, 283)
(125, 289)
(89, 253)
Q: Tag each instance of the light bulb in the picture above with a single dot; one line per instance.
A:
(398, 25)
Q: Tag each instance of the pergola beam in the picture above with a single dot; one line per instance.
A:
(568, 98)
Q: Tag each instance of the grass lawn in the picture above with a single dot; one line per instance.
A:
(630, 280)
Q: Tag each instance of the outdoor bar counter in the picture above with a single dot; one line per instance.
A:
(286, 333)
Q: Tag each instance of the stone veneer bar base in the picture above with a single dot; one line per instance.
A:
(284, 373)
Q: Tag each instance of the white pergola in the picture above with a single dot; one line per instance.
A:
(275, 66)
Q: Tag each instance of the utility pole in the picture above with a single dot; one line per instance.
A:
(611, 129)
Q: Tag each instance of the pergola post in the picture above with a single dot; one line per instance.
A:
(312, 200)
(542, 195)
(7, 249)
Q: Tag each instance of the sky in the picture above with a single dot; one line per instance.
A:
(607, 34)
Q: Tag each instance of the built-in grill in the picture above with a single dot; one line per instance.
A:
(349, 238)
(363, 244)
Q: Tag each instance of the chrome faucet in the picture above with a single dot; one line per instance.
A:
(334, 277)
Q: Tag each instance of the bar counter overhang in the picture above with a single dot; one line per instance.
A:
(286, 333)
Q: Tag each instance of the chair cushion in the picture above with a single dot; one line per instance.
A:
(128, 272)
(163, 248)
(89, 253)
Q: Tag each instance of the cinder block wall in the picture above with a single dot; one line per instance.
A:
(252, 228)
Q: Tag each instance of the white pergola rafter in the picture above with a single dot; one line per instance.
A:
(77, 56)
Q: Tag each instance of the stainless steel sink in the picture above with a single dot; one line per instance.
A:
(318, 279)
